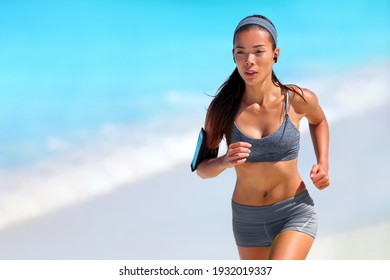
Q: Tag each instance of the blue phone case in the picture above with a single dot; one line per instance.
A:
(201, 151)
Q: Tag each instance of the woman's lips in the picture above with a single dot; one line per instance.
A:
(250, 73)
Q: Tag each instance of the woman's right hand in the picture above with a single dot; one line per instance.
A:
(236, 154)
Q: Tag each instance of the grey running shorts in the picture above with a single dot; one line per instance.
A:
(257, 226)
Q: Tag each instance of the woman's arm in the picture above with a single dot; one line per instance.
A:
(236, 154)
(319, 131)
(320, 137)
(211, 168)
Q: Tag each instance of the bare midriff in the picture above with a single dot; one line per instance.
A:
(265, 183)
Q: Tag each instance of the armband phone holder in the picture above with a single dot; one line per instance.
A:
(201, 151)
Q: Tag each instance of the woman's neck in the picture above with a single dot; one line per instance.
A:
(260, 93)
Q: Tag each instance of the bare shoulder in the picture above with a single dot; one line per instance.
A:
(304, 103)
(303, 100)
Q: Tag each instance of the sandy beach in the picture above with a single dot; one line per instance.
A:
(176, 215)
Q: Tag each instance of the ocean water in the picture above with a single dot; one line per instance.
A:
(95, 95)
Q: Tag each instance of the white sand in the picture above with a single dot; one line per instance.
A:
(167, 217)
(179, 216)
(368, 243)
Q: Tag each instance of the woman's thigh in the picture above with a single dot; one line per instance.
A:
(291, 245)
(254, 253)
(288, 245)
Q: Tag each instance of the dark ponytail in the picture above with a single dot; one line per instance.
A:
(223, 109)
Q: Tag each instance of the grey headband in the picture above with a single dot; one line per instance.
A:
(261, 22)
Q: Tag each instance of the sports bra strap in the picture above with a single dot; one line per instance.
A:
(287, 98)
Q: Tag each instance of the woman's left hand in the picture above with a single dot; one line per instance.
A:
(319, 176)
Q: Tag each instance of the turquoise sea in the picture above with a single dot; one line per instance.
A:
(102, 93)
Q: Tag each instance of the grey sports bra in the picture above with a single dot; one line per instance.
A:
(281, 145)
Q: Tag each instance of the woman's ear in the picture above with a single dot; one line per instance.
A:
(276, 55)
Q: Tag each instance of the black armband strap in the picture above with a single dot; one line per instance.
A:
(202, 152)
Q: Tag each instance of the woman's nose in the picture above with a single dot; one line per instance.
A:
(249, 59)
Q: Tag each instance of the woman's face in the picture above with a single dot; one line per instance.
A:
(254, 55)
